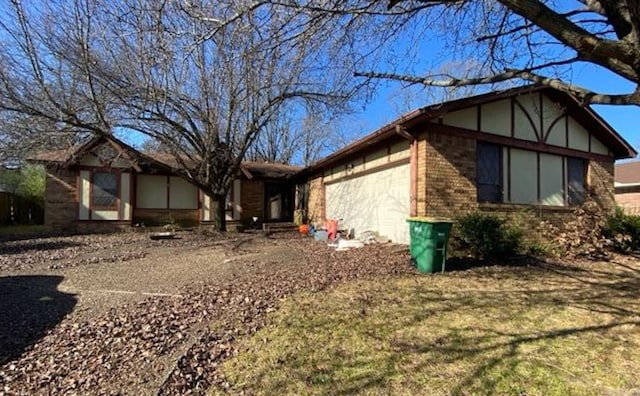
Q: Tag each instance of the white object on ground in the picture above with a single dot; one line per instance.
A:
(349, 244)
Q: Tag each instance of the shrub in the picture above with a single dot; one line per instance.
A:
(488, 236)
(623, 230)
(540, 249)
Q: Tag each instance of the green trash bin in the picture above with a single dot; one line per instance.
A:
(428, 242)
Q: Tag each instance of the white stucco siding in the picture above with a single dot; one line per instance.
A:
(125, 196)
(206, 207)
(237, 196)
(89, 159)
(234, 214)
(465, 118)
(551, 180)
(376, 158)
(394, 152)
(84, 195)
(399, 151)
(496, 117)
(104, 215)
(557, 133)
(597, 146)
(578, 136)
(526, 113)
(551, 112)
(524, 175)
(182, 194)
(151, 192)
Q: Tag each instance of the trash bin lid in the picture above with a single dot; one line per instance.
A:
(425, 219)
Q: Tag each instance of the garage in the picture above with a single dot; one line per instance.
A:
(377, 201)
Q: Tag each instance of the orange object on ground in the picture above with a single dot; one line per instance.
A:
(332, 228)
(303, 229)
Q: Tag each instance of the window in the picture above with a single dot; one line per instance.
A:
(517, 176)
(576, 181)
(104, 193)
(489, 172)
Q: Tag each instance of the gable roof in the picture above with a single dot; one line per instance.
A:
(67, 157)
(627, 174)
(583, 114)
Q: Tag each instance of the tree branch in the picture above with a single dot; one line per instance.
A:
(585, 95)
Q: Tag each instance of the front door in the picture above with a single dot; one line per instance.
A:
(278, 202)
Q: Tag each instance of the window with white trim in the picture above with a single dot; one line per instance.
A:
(512, 175)
(104, 192)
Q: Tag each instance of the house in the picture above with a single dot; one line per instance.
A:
(529, 152)
(627, 186)
(106, 184)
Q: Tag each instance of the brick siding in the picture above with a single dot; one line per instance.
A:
(601, 184)
(60, 206)
(252, 200)
(161, 217)
(629, 200)
(316, 209)
(449, 175)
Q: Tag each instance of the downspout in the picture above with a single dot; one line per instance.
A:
(413, 169)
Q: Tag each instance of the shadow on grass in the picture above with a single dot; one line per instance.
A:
(25, 246)
(466, 263)
(530, 327)
(29, 307)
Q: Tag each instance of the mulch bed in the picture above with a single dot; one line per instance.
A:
(175, 346)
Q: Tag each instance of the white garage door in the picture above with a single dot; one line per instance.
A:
(378, 202)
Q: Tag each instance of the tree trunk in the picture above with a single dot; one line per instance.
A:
(218, 209)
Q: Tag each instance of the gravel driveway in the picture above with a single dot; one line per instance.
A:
(121, 314)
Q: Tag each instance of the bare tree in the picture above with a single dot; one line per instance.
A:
(300, 135)
(203, 91)
(537, 41)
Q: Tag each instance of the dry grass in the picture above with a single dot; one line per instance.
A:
(545, 330)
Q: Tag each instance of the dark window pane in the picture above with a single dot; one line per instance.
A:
(489, 172)
(105, 190)
(576, 184)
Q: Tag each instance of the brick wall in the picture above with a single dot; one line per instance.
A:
(315, 209)
(449, 172)
(528, 218)
(161, 217)
(600, 182)
(60, 206)
(629, 200)
(252, 200)
(102, 226)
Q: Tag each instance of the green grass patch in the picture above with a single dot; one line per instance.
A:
(522, 331)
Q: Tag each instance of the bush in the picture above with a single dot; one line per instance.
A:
(488, 236)
(623, 231)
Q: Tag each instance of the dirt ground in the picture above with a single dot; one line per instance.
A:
(121, 314)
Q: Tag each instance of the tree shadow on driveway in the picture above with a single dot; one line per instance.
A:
(29, 307)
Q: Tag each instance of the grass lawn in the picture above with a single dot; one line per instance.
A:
(542, 330)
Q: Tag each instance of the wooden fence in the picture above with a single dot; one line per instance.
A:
(17, 210)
